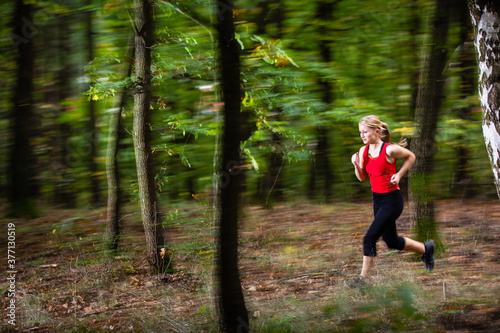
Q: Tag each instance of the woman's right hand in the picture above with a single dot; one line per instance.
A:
(355, 159)
(358, 165)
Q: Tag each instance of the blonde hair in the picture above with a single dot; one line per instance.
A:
(374, 122)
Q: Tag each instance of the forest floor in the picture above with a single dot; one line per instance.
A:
(294, 260)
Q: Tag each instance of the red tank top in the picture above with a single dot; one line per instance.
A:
(380, 171)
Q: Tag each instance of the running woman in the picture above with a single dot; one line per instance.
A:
(377, 159)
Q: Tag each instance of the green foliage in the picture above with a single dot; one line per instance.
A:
(374, 52)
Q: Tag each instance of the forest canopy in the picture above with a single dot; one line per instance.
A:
(307, 79)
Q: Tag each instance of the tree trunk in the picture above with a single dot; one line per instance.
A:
(92, 130)
(485, 16)
(271, 12)
(112, 167)
(113, 177)
(262, 19)
(51, 98)
(22, 160)
(426, 117)
(320, 166)
(142, 136)
(463, 177)
(414, 33)
(64, 192)
(321, 169)
(231, 303)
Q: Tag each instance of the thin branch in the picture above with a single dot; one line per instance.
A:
(275, 180)
(134, 26)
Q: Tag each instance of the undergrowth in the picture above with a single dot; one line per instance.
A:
(293, 264)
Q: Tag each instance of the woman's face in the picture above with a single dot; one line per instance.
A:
(368, 135)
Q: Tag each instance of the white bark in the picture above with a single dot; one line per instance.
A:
(487, 44)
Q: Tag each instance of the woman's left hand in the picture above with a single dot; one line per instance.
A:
(395, 179)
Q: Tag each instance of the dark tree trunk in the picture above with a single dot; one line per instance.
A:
(262, 19)
(271, 12)
(320, 166)
(92, 130)
(150, 209)
(466, 65)
(426, 117)
(414, 33)
(112, 167)
(64, 192)
(485, 16)
(231, 303)
(22, 161)
(51, 98)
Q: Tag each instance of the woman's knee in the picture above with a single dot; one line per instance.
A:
(396, 243)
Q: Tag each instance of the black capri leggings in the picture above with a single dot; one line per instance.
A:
(387, 207)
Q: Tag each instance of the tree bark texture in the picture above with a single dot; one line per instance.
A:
(485, 15)
(231, 303)
(22, 160)
(142, 135)
(426, 117)
(113, 178)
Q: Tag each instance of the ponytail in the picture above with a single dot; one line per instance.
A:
(385, 135)
(403, 143)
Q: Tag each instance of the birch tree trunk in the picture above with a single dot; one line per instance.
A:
(233, 314)
(142, 135)
(485, 15)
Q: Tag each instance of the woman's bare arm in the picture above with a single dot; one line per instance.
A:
(357, 161)
(397, 152)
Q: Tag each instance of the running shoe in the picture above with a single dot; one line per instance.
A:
(428, 256)
(359, 283)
